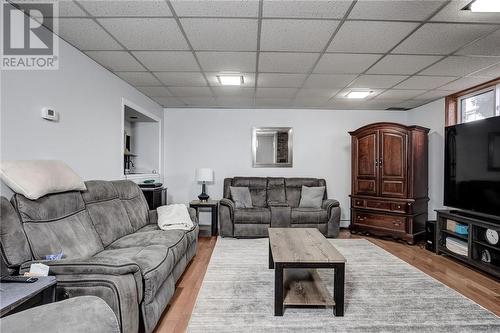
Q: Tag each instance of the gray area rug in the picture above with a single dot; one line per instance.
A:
(382, 294)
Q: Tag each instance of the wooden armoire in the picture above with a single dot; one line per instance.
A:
(390, 180)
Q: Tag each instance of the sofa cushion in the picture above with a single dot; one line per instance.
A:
(241, 197)
(257, 187)
(149, 227)
(311, 197)
(14, 246)
(276, 190)
(58, 223)
(134, 202)
(294, 188)
(155, 262)
(36, 178)
(106, 210)
(309, 215)
(252, 216)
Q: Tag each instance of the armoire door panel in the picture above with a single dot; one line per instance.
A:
(365, 179)
(393, 163)
(367, 155)
(366, 186)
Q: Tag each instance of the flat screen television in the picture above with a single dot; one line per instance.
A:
(472, 166)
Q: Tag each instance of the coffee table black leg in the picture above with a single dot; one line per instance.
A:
(278, 290)
(271, 261)
(338, 289)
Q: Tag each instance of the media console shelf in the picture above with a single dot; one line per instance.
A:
(478, 247)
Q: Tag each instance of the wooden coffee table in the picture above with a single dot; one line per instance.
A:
(295, 254)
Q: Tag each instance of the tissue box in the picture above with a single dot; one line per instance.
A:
(39, 270)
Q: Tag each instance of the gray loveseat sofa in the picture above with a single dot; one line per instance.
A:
(111, 244)
(276, 204)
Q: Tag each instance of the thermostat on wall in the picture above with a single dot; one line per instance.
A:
(49, 114)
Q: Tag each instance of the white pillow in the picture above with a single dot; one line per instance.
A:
(36, 178)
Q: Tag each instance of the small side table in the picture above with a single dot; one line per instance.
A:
(214, 207)
(14, 295)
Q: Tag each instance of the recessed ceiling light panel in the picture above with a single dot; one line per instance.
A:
(483, 6)
(230, 80)
(358, 94)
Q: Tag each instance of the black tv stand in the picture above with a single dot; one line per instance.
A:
(475, 239)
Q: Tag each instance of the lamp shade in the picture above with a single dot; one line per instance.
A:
(204, 175)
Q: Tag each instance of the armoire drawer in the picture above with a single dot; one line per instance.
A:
(381, 221)
(383, 205)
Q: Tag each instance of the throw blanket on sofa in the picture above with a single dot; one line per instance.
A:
(174, 217)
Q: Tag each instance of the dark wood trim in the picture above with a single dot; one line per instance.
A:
(451, 104)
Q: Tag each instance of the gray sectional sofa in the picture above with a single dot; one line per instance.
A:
(275, 204)
(111, 244)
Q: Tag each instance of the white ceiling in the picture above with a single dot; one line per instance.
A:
(293, 54)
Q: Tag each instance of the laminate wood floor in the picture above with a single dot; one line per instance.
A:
(480, 288)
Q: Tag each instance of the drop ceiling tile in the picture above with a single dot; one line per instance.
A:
(235, 91)
(441, 38)
(460, 65)
(276, 92)
(169, 102)
(345, 63)
(116, 60)
(287, 62)
(309, 102)
(380, 104)
(425, 82)
(273, 102)
(433, 95)
(216, 8)
(191, 91)
(85, 34)
(235, 102)
(155, 91)
(221, 34)
(307, 93)
(167, 60)
(400, 94)
(328, 80)
(402, 64)
(305, 9)
(179, 79)
(70, 8)
(127, 8)
(344, 104)
(411, 104)
(146, 33)
(488, 46)
(377, 81)
(296, 35)
(453, 13)
(464, 83)
(280, 80)
(248, 79)
(396, 10)
(227, 61)
(139, 78)
(492, 72)
(369, 36)
(200, 101)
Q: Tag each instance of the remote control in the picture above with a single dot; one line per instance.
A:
(18, 278)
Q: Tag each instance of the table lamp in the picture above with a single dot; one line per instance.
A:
(204, 175)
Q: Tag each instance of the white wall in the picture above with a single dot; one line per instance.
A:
(221, 140)
(432, 116)
(89, 100)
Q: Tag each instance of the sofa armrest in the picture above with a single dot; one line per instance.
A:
(333, 208)
(226, 216)
(92, 265)
(329, 204)
(192, 215)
